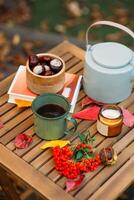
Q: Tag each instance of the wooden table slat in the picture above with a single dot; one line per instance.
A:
(28, 174)
(5, 108)
(78, 67)
(12, 113)
(3, 99)
(12, 123)
(120, 179)
(67, 56)
(26, 123)
(4, 85)
(71, 63)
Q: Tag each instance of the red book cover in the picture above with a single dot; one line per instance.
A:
(19, 90)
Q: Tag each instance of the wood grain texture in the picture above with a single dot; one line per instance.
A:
(36, 167)
(28, 174)
(121, 180)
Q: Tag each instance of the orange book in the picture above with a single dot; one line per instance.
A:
(19, 91)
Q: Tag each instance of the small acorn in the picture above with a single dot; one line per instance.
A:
(108, 156)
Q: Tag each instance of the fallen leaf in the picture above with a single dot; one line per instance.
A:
(60, 28)
(114, 36)
(22, 103)
(28, 47)
(86, 101)
(54, 143)
(72, 184)
(4, 49)
(22, 141)
(44, 25)
(128, 118)
(74, 9)
(19, 59)
(1, 125)
(121, 12)
(3, 39)
(16, 39)
(88, 113)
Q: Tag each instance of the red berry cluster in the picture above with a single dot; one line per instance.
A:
(82, 146)
(68, 167)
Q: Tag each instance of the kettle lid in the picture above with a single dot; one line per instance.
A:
(111, 54)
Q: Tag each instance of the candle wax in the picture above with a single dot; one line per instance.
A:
(111, 114)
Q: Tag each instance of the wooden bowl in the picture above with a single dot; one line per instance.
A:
(42, 84)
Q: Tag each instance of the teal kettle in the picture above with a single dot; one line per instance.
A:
(109, 68)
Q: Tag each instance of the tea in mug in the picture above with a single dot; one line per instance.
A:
(51, 111)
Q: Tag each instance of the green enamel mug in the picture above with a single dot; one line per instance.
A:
(55, 127)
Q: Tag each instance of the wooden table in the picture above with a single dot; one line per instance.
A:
(35, 166)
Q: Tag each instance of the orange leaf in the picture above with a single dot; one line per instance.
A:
(23, 103)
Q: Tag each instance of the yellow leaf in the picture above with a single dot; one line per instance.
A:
(55, 143)
(23, 103)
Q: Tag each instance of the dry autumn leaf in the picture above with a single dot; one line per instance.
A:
(72, 184)
(128, 118)
(1, 124)
(22, 141)
(22, 103)
(88, 113)
(54, 143)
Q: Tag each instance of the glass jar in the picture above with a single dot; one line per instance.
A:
(110, 120)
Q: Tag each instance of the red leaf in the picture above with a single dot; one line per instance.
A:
(128, 118)
(88, 113)
(22, 141)
(1, 125)
(72, 184)
(86, 101)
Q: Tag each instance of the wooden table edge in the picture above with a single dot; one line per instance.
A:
(125, 175)
(31, 176)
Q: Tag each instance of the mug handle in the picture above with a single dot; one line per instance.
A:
(74, 122)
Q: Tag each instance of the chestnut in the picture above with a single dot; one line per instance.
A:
(33, 60)
(55, 65)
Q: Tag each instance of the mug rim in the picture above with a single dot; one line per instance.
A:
(50, 94)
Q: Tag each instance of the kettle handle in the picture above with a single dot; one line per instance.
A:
(109, 23)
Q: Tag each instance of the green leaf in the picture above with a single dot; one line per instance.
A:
(91, 155)
(87, 150)
(88, 155)
(79, 155)
(82, 137)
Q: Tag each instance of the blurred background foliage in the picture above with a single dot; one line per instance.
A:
(70, 17)
(53, 21)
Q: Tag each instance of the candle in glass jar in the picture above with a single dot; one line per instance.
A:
(110, 120)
